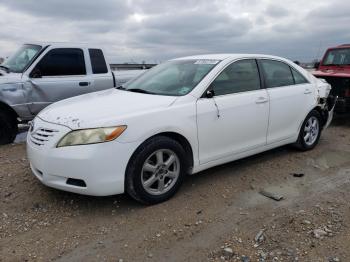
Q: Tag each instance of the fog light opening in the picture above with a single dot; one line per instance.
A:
(76, 182)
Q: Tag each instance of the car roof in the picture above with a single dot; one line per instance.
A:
(228, 56)
(62, 44)
(339, 47)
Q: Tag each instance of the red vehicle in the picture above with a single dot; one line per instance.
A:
(335, 69)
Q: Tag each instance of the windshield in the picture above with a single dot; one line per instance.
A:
(337, 57)
(19, 61)
(173, 78)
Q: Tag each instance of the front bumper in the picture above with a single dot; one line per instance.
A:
(343, 105)
(100, 166)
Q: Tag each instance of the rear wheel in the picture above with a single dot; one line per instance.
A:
(156, 170)
(8, 128)
(310, 131)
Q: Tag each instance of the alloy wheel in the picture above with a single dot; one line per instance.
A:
(311, 131)
(160, 172)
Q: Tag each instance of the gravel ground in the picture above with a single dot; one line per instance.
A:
(218, 215)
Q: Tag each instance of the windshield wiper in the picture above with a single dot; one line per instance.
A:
(135, 90)
(138, 90)
(121, 87)
(7, 69)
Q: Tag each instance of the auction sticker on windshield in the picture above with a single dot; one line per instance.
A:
(206, 62)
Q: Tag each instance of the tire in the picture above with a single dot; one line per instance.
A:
(309, 136)
(8, 128)
(150, 178)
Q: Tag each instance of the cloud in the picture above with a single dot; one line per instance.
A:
(158, 30)
(73, 10)
(151, 7)
(274, 10)
(191, 28)
(331, 10)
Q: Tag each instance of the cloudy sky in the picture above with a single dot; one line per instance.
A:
(150, 30)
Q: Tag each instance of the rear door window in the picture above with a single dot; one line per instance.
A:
(98, 61)
(276, 73)
(62, 62)
(299, 78)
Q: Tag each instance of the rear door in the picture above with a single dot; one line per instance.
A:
(236, 118)
(60, 74)
(100, 72)
(290, 96)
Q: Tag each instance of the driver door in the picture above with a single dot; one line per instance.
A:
(60, 74)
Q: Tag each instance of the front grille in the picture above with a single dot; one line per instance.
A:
(41, 136)
(340, 85)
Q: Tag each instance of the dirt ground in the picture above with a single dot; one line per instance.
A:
(218, 215)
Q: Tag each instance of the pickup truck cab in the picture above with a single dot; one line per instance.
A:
(335, 69)
(42, 73)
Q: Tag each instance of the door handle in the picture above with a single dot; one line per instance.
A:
(307, 91)
(261, 100)
(84, 83)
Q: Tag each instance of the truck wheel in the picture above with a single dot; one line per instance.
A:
(8, 128)
(156, 170)
(310, 131)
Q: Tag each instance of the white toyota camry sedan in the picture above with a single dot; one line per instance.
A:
(179, 118)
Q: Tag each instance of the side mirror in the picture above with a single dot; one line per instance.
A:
(36, 73)
(210, 94)
(317, 65)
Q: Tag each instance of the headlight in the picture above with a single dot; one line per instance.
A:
(91, 136)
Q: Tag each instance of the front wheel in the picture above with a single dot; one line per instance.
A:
(310, 131)
(8, 128)
(156, 170)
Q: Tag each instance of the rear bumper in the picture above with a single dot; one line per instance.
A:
(331, 104)
(327, 110)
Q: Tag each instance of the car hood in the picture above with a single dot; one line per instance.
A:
(101, 109)
(332, 73)
(9, 78)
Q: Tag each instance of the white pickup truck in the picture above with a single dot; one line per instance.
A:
(42, 73)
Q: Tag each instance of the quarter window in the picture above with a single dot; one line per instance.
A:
(62, 62)
(98, 61)
(238, 77)
(277, 73)
(298, 78)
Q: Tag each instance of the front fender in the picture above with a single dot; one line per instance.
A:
(179, 119)
(12, 95)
